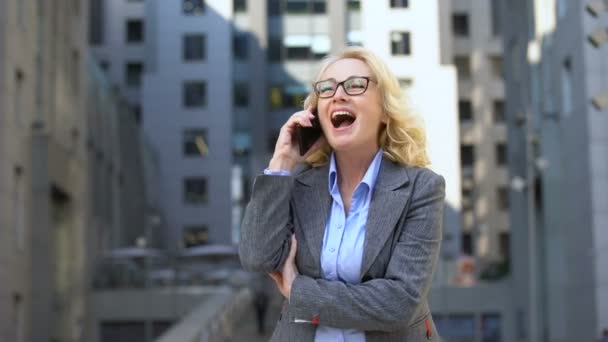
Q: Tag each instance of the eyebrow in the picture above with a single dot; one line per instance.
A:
(346, 79)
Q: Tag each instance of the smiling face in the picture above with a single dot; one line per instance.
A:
(350, 122)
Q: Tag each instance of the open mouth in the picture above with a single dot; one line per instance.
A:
(342, 119)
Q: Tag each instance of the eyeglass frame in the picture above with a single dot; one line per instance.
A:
(338, 84)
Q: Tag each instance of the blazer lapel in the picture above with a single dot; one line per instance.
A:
(389, 198)
(314, 203)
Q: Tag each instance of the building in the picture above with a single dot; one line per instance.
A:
(274, 43)
(175, 80)
(188, 109)
(477, 53)
(43, 179)
(65, 159)
(557, 86)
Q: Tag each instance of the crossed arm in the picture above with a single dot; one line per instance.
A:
(384, 304)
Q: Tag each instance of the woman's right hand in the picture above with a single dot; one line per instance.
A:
(286, 151)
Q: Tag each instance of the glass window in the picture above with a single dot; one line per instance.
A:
(399, 3)
(194, 94)
(195, 142)
(133, 73)
(467, 243)
(400, 43)
(467, 155)
(241, 94)
(241, 144)
(297, 41)
(501, 154)
(465, 109)
(463, 66)
(319, 7)
(296, 6)
(196, 235)
(490, 327)
(499, 111)
(239, 5)
(135, 31)
(195, 190)
(502, 197)
(320, 46)
(294, 95)
(496, 62)
(467, 199)
(136, 108)
(353, 5)
(96, 22)
(504, 245)
(240, 45)
(460, 24)
(194, 47)
(496, 18)
(275, 46)
(193, 7)
(459, 328)
(276, 97)
(274, 7)
(298, 52)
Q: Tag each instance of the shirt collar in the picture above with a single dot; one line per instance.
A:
(369, 178)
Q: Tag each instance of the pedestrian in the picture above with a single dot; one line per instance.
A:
(352, 238)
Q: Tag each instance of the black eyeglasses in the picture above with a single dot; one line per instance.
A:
(354, 85)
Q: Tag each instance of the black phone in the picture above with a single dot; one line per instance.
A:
(307, 136)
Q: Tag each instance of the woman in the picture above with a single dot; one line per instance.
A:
(365, 214)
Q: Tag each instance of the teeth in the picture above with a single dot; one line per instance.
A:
(341, 112)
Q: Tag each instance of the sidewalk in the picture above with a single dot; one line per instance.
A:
(247, 329)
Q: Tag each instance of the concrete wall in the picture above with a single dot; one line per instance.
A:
(596, 83)
(43, 180)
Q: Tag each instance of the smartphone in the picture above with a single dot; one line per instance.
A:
(307, 136)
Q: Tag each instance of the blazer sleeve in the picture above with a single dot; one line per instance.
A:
(389, 303)
(267, 227)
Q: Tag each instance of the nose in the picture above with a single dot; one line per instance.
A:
(340, 94)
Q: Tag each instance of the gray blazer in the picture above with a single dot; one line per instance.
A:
(402, 239)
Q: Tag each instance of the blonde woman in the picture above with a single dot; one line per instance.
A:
(352, 240)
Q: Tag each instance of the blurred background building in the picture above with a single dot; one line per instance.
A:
(557, 101)
(228, 75)
(126, 163)
(477, 54)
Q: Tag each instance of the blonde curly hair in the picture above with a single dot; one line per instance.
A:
(403, 138)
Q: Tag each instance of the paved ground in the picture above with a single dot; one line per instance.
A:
(247, 329)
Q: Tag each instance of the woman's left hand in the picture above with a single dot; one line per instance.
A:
(285, 278)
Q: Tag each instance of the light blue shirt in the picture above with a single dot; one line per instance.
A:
(342, 251)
